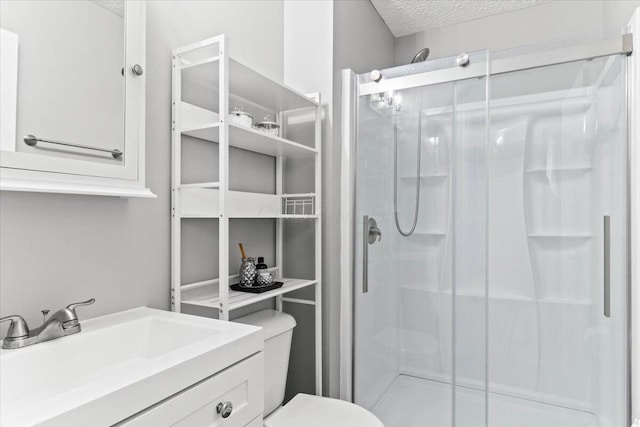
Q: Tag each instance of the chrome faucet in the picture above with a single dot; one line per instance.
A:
(61, 323)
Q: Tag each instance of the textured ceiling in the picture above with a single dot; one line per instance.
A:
(114, 6)
(405, 17)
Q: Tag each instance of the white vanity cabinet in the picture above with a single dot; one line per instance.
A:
(73, 100)
(239, 387)
(139, 367)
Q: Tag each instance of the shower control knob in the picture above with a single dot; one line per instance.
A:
(462, 60)
(137, 70)
(376, 76)
(375, 234)
(224, 409)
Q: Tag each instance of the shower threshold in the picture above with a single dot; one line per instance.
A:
(418, 402)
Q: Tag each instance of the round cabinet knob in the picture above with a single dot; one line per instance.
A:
(224, 409)
(376, 76)
(137, 70)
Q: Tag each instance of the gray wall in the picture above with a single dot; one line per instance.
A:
(549, 21)
(308, 35)
(340, 41)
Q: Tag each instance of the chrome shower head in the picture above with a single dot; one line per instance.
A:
(421, 56)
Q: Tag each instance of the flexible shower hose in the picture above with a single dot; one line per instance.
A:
(395, 176)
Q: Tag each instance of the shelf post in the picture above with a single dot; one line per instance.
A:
(318, 242)
(176, 176)
(223, 178)
(279, 221)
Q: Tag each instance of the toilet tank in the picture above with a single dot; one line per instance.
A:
(278, 330)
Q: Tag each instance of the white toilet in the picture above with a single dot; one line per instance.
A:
(304, 409)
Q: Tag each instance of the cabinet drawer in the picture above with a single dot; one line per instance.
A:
(242, 385)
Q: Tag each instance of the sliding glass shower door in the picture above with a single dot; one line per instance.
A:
(421, 170)
(557, 244)
(491, 243)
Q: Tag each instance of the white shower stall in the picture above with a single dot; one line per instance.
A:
(508, 304)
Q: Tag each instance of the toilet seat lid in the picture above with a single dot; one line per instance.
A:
(314, 411)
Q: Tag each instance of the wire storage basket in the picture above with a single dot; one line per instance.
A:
(298, 205)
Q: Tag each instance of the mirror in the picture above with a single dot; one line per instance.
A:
(63, 80)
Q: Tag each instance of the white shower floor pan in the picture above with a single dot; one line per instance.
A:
(417, 402)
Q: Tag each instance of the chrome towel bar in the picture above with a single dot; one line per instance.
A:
(32, 140)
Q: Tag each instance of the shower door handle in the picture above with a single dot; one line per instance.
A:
(370, 234)
(607, 265)
(365, 254)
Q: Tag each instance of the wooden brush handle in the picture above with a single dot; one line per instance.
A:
(242, 252)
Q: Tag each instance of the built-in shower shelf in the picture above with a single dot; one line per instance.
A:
(434, 176)
(567, 169)
(560, 236)
(564, 301)
(429, 233)
(467, 294)
(422, 287)
(417, 287)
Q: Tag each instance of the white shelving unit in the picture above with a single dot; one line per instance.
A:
(208, 67)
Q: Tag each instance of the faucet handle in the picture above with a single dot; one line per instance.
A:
(18, 327)
(73, 306)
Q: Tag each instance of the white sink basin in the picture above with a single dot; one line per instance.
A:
(117, 366)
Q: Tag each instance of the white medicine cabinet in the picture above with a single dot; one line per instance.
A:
(73, 97)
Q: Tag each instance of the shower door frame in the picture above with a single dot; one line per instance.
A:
(351, 92)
